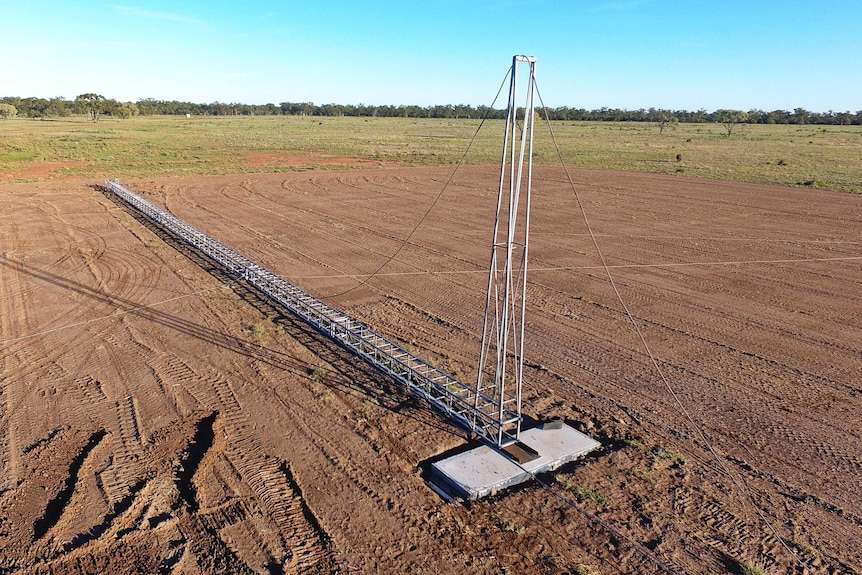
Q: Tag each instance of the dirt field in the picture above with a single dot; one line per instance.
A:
(156, 417)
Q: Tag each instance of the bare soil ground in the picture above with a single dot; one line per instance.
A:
(155, 416)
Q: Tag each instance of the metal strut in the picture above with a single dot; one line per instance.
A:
(503, 330)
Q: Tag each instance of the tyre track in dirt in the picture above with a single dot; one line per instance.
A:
(788, 283)
(545, 345)
(755, 368)
(281, 499)
(333, 469)
(272, 484)
(28, 380)
(382, 201)
(367, 218)
(317, 215)
(733, 325)
(806, 439)
(847, 461)
(774, 376)
(336, 459)
(450, 279)
(782, 277)
(818, 446)
(301, 256)
(722, 201)
(268, 480)
(119, 417)
(119, 360)
(125, 470)
(41, 502)
(56, 507)
(131, 525)
(758, 373)
(81, 250)
(43, 359)
(802, 438)
(14, 320)
(356, 240)
(699, 195)
(28, 368)
(776, 317)
(95, 262)
(454, 312)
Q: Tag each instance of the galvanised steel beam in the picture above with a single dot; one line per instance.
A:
(474, 412)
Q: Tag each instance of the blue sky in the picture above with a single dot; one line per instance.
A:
(685, 54)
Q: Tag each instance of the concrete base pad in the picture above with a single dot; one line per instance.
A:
(485, 470)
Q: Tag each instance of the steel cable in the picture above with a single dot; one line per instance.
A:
(406, 240)
(738, 481)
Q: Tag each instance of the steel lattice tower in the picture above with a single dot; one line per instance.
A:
(501, 361)
(491, 410)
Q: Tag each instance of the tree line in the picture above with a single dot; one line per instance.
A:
(94, 105)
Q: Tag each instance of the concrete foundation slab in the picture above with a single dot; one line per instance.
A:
(485, 470)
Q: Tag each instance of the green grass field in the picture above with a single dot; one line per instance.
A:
(828, 157)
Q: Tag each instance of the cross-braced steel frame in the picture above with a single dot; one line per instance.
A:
(474, 411)
(503, 331)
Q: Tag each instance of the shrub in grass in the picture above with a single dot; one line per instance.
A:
(572, 486)
(318, 374)
(752, 568)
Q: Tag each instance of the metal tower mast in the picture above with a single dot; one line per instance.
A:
(491, 410)
(503, 330)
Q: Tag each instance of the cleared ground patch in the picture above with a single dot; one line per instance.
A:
(157, 416)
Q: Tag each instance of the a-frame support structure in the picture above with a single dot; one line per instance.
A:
(512, 455)
(503, 330)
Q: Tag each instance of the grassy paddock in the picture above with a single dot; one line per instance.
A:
(827, 157)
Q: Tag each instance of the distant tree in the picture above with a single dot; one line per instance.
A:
(111, 107)
(800, 116)
(778, 117)
(730, 118)
(148, 106)
(94, 104)
(843, 118)
(91, 105)
(8, 111)
(332, 110)
(219, 109)
(413, 111)
(57, 107)
(289, 108)
(663, 119)
(822, 117)
(34, 107)
(756, 116)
